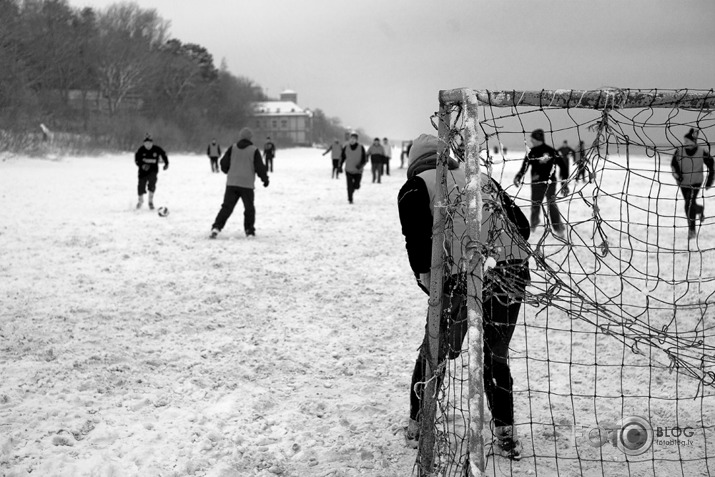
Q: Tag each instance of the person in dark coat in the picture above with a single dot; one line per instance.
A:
(241, 163)
(688, 166)
(147, 159)
(214, 152)
(503, 286)
(269, 152)
(543, 160)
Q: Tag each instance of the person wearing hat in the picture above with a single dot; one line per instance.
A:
(269, 152)
(354, 158)
(687, 164)
(376, 154)
(214, 152)
(543, 160)
(503, 287)
(241, 163)
(147, 159)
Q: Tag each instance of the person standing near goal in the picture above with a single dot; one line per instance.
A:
(503, 286)
(354, 158)
(241, 163)
(687, 164)
(147, 159)
(543, 160)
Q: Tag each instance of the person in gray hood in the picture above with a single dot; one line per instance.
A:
(241, 163)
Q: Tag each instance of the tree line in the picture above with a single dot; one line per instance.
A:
(105, 77)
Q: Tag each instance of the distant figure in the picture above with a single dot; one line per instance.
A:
(336, 151)
(269, 152)
(46, 133)
(543, 159)
(241, 163)
(566, 152)
(406, 145)
(354, 158)
(147, 159)
(581, 162)
(687, 164)
(214, 152)
(376, 154)
(387, 148)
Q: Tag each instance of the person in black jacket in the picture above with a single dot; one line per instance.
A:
(147, 159)
(241, 163)
(688, 166)
(269, 152)
(503, 287)
(543, 160)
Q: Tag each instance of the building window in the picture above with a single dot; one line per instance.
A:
(258, 124)
(284, 123)
(274, 123)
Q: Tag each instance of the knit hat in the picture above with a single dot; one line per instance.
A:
(245, 133)
(692, 134)
(538, 134)
(423, 155)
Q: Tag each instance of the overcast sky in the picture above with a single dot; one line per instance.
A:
(379, 64)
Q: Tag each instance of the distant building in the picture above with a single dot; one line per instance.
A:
(283, 120)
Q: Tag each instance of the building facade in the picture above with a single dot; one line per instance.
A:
(283, 120)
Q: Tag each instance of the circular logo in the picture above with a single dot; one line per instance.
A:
(635, 435)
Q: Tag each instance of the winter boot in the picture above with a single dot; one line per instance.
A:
(412, 434)
(151, 200)
(506, 442)
(214, 233)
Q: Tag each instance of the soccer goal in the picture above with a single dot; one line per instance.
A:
(613, 353)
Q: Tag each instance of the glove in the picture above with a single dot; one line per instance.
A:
(145, 167)
(340, 170)
(517, 181)
(265, 183)
(565, 190)
(166, 166)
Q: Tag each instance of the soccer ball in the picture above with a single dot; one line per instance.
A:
(163, 211)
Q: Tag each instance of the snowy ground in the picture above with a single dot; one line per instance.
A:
(131, 345)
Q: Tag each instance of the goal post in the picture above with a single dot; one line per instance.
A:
(614, 347)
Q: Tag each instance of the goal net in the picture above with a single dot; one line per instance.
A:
(612, 355)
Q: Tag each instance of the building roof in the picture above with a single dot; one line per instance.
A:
(278, 108)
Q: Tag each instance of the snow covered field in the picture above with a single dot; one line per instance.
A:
(132, 345)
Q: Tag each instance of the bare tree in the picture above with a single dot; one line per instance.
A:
(129, 38)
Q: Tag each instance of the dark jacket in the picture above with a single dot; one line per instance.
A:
(542, 160)
(151, 158)
(416, 218)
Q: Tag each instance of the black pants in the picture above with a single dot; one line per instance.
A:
(230, 199)
(376, 169)
(353, 180)
(581, 171)
(538, 192)
(387, 166)
(146, 181)
(692, 208)
(269, 163)
(503, 293)
(336, 169)
(214, 164)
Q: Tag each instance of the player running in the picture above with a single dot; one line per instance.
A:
(147, 159)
